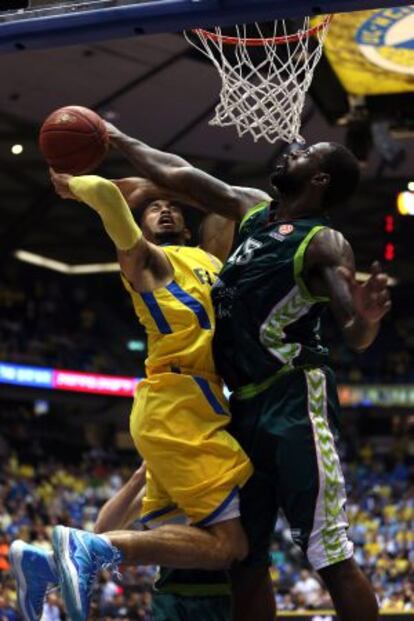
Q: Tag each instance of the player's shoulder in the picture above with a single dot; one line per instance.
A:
(254, 215)
(329, 238)
(328, 245)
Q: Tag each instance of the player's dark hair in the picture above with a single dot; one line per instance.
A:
(343, 168)
(139, 213)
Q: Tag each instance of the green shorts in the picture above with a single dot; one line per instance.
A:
(171, 607)
(289, 431)
(191, 595)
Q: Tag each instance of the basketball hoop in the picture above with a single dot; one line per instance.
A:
(263, 93)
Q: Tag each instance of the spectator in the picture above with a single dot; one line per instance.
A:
(52, 608)
(309, 588)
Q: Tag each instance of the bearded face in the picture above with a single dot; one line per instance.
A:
(293, 172)
(163, 223)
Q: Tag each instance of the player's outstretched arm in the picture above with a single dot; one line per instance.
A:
(124, 508)
(177, 175)
(329, 270)
(138, 190)
(144, 264)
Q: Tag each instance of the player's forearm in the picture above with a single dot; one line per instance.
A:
(124, 508)
(175, 174)
(138, 191)
(106, 199)
(149, 162)
(360, 334)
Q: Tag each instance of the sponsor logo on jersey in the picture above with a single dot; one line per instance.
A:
(386, 39)
(286, 229)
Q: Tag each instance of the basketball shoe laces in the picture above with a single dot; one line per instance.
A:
(99, 565)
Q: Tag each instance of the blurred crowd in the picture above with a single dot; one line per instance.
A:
(54, 322)
(390, 360)
(380, 509)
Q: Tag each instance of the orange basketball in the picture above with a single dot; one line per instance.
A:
(73, 140)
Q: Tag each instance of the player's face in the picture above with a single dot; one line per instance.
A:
(296, 169)
(163, 221)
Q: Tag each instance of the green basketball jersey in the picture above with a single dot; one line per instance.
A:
(267, 322)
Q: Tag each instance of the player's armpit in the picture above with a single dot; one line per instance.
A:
(145, 272)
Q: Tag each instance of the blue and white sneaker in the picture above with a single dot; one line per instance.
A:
(35, 573)
(79, 556)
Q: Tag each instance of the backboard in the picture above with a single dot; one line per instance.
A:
(52, 23)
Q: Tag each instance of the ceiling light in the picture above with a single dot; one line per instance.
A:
(405, 203)
(17, 149)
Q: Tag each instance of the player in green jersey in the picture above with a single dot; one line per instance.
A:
(289, 265)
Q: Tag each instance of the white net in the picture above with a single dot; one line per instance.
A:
(264, 79)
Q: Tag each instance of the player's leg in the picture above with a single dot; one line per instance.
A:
(185, 547)
(312, 493)
(201, 468)
(198, 463)
(80, 555)
(252, 591)
(351, 592)
(178, 425)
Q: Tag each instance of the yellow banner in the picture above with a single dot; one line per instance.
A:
(372, 52)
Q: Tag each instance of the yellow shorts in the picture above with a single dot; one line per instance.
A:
(178, 424)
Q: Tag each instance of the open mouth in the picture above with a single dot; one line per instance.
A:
(165, 220)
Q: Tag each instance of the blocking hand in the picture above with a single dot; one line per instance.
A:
(372, 298)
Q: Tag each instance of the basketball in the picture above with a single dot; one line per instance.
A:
(73, 140)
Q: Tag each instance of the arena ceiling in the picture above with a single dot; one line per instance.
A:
(157, 89)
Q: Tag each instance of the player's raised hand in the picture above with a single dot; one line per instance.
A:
(60, 182)
(371, 299)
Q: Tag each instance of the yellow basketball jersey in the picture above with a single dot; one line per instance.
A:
(179, 318)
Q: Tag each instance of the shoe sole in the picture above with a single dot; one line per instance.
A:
(15, 557)
(68, 576)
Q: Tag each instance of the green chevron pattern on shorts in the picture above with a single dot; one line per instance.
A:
(272, 333)
(332, 505)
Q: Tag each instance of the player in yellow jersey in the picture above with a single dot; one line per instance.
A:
(179, 417)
